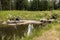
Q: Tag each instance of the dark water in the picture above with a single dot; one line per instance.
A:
(11, 32)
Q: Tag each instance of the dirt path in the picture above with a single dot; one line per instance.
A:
(49, 35)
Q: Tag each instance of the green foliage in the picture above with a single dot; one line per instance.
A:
(5, 4)
(25, 5)
(55, 16)
(32, 15)
(43, 5)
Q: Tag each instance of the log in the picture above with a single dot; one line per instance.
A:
(23, 22)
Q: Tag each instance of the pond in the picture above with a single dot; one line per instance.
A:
(14, 32)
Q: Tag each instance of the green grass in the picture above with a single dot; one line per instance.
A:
(38, 32)
(33, 15)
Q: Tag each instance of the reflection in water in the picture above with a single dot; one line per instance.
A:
(12, 32)
(15, 27)
(15, 32)
(30, 27)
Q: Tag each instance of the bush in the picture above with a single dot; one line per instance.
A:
(54, 16)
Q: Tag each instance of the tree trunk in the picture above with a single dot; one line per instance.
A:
(0, 6)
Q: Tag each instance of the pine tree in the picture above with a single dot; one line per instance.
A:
(0, 5)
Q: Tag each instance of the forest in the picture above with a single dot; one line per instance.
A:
(31, 5)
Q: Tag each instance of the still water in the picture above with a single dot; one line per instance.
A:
(14, 32)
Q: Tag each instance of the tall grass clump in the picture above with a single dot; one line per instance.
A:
(38, 31)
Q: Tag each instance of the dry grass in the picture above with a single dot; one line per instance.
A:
(52, 34)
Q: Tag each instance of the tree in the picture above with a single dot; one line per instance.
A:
(19, 4)
(25, 4)
(0, 5)
(50, 5)
(5, 4)
(59, 4)
(43, 5)
(56, 4)
(34, 5)
(12, 4)
(29, 5)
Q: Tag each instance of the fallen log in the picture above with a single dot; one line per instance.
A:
(47, 20)
(23, 22)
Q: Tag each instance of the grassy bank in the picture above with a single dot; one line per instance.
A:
(53, 33)
(38, 32)
(34, 15)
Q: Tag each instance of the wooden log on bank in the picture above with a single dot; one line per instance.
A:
(23, 22)
(47, 20)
